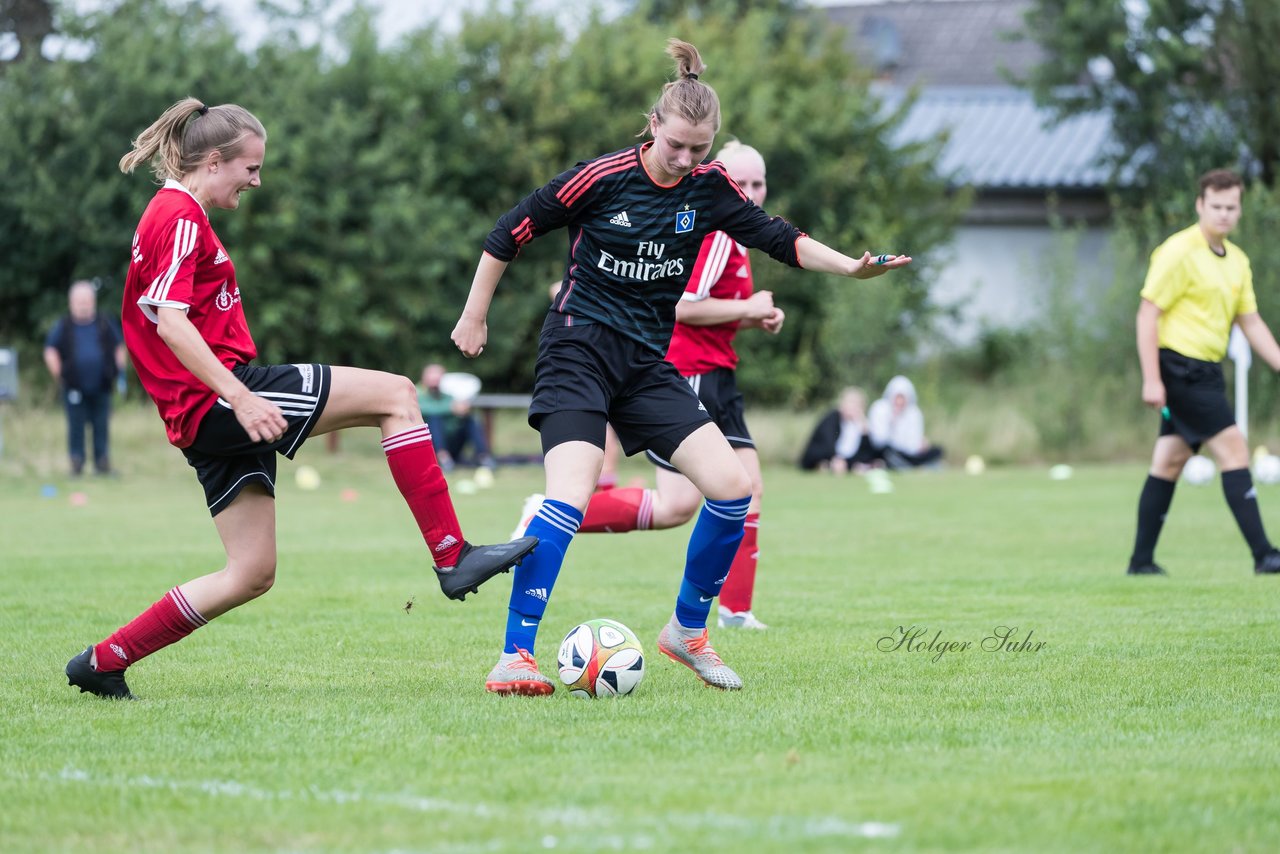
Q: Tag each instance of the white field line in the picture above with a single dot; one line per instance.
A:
(570, 818)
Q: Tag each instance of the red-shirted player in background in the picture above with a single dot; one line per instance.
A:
(718, 301)
(184, 325)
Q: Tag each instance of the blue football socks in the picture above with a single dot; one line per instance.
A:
(712, 545)
(554, 525)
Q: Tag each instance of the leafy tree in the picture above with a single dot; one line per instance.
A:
(29, 22)
(66, 211)
(386, 167)
(1189, 84)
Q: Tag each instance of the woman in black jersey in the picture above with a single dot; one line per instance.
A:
(636, 220)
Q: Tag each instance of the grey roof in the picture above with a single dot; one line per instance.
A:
(946, 42)
(1000, 140)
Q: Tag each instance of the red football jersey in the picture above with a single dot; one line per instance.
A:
(178, 262)
(722, 271)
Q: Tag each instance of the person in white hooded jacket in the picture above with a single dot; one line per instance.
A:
(897, 427)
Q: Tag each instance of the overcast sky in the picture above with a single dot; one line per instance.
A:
(395, 17)
(398, 17)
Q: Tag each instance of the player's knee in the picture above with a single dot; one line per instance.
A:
(402, 399)
(679, 511)
(255, 577)
(730, 487)
(1170, 467)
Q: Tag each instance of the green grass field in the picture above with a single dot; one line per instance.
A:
(326, 717)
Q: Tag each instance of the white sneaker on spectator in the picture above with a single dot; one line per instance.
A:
(531, 505)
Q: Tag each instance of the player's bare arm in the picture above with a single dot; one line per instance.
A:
(713, 311)
(259, 417)
(823, 259)
(472, 329)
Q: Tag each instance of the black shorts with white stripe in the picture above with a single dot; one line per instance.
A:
(226, 460)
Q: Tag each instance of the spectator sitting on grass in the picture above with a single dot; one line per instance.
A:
(451, 421)
(897, 428)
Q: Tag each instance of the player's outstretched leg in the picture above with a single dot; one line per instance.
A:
(105, 683)
(477, 564)
(460, 566)
(359, 398)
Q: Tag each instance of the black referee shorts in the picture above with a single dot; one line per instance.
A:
(226, 460)
(591, 368)
(718, 391)
(1196, 394)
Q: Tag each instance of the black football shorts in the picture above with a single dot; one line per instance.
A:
(226, 459)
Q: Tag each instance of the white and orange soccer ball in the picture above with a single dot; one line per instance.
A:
(600, 658)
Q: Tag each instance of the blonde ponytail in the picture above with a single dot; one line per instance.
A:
(686, 96)
(178, 141)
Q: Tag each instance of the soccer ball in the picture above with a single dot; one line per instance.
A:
(600, 658)
(1199, 470)
(1267, 469)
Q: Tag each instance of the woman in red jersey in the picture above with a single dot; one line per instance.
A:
(636, 219)
(185, 328)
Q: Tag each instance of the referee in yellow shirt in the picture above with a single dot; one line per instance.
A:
(1198, 284)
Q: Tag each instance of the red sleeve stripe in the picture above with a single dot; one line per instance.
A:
(184, 242)
(523, 232)
(580, 183)
(570, 202)
(717, 166)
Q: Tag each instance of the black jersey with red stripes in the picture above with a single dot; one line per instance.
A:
(632, 241)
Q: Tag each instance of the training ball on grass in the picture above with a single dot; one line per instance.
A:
(878, 482)
(1199, 470)
(975, 464)
(1061, 471)
(1267, 469)
(307, 478)
(600, 658)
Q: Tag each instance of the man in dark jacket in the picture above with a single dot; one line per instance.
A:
(85, 353)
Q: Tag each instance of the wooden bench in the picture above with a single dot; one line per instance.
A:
(489, 404)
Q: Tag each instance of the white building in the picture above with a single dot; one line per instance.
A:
(1025, 171)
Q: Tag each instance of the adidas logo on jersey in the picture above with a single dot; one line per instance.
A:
(621, 219)
(537, 593)
(220, 257)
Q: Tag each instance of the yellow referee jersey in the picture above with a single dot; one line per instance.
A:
(1199, 293)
